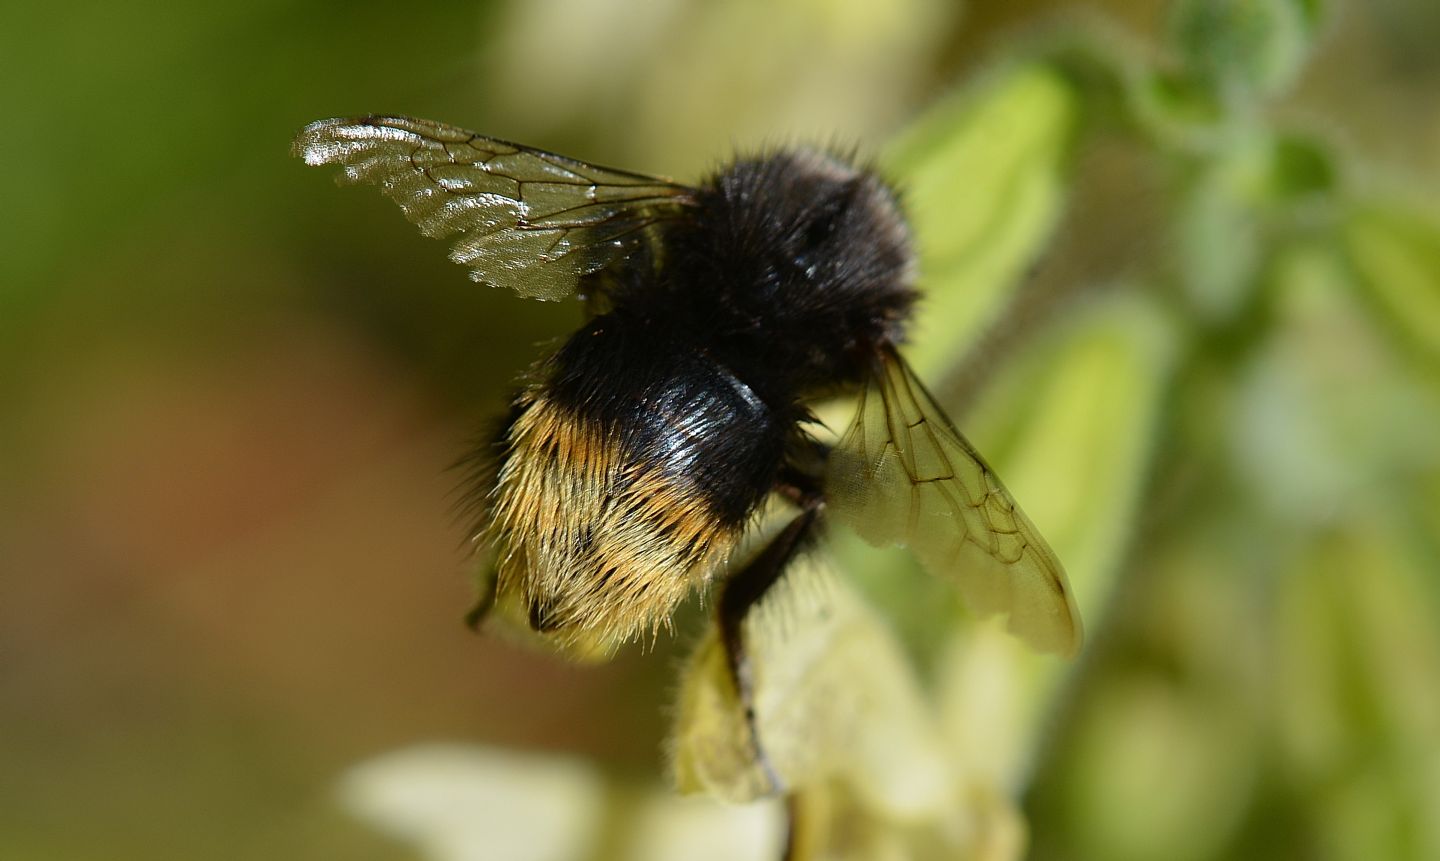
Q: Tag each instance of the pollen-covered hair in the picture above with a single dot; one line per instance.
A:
(594, 543)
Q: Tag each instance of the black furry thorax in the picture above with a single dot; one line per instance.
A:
(794, 268)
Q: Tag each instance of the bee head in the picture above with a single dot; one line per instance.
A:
(810, 261)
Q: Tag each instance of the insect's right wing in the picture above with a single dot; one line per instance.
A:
(902, 474)
(529, 221)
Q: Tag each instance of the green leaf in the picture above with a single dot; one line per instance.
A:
(1358, 710)
(1070, 432)
(1234, 208)
(1074, 426)
(1218, 242)
(1395, 251)
(1302, 166)
(1245, 48)
(1325, 403)
(983, 176)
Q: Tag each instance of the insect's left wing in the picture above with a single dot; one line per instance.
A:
(529, 221)
(902, 474)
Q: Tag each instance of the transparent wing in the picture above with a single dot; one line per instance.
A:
(529, 221)
(902, 474)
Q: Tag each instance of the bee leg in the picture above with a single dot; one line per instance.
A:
(484, 601)
(482, 469)
(801, 489)
(802, 475)
(742, 592)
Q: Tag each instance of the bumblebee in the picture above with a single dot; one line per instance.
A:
(638, 453)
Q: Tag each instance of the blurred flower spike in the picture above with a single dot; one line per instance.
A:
(475, 803)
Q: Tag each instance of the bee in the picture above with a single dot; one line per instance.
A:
(637, 455)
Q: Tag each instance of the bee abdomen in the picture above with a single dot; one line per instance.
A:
(631, 471)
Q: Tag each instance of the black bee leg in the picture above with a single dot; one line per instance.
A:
(802, 490)
(801, 479)
(482, 472)
(484, 601)
(741, 594)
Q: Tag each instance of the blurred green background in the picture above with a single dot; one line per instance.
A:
(229, 566)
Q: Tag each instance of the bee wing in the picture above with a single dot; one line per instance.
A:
(902, 474)
(529, 221)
